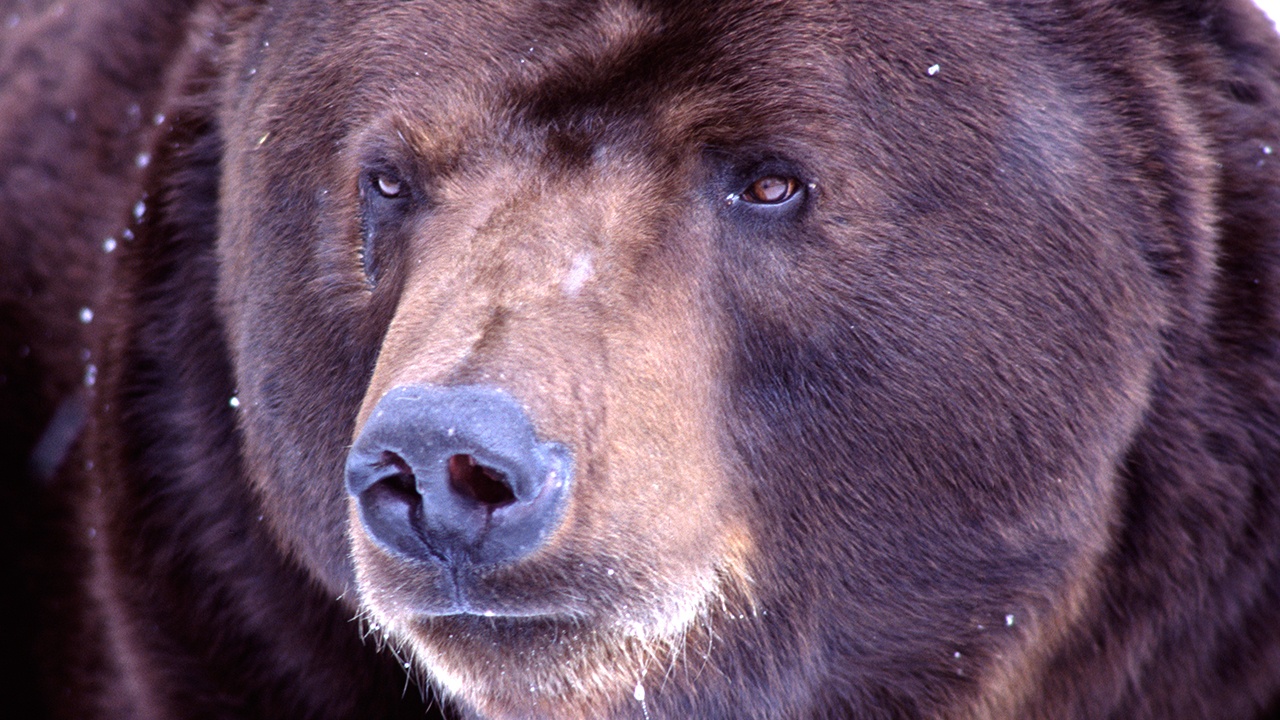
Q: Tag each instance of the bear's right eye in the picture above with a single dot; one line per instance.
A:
(387, 200)
(386, 184)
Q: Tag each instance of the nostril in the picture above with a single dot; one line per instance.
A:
(482, 484)
(400, 485)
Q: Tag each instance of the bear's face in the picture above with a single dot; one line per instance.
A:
(820, 360)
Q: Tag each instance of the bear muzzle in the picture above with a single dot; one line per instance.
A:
(456, 476)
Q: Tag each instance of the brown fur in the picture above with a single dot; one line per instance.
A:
(984, 424)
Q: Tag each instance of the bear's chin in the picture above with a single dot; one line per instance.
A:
(548, 649)
(551, 666)
(569, 632)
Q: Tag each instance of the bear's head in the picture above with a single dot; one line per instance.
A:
(725, 362)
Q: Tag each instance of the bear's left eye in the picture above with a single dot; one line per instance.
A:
(388, 186)
(771, 190)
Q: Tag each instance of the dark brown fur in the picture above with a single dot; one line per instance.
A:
(75, 115)
(985, 424)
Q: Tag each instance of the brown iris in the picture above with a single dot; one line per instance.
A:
(771, 190)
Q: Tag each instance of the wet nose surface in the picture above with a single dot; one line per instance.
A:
(456, 475)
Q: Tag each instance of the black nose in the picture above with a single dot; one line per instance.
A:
(456, 474)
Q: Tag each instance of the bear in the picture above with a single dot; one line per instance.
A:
(639, 359)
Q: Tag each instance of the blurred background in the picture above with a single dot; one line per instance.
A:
(1271, 8)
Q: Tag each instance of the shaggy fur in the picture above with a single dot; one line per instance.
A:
(981, 420)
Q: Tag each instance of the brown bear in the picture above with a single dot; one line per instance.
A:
(645, 359)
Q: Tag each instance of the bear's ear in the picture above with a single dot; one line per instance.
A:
(175, 221)
(179, 203)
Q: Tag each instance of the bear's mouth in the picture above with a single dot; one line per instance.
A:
(475, 592)
(551, 594)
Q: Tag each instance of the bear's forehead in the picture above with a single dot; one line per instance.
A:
(845, 91)
(586, 69)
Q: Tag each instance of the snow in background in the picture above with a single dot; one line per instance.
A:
(1271, 8)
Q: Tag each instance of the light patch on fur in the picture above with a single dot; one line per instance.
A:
(579, 273)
